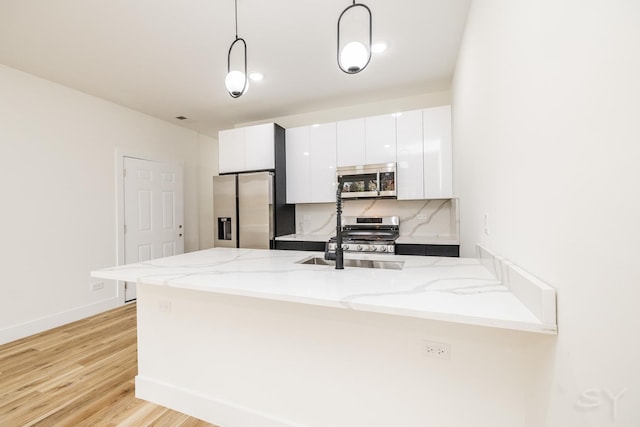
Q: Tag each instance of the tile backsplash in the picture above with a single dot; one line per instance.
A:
(418, 218)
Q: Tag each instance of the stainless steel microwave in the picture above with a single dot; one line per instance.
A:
(368, 181)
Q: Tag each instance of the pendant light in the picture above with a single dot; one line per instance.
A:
(354, 56)
(237, 82)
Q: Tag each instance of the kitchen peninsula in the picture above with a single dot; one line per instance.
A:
(243, 337)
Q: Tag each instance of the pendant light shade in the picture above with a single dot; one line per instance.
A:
(354, 56)
(237, 82)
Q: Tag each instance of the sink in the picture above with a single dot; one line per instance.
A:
(362, 263)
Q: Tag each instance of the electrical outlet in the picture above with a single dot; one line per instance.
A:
(486, 224)
(97, 286)
(164, 306)
(437, 350)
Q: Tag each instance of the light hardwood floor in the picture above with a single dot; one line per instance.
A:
(81, 374)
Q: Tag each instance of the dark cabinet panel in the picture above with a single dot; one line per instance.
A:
(428, 250)
(401, 249)
(300, 245)
(287, 245)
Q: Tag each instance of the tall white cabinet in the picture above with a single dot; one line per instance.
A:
(410, 155)
(323, 157)
(424, 154)
(438, 162)
(311, 163)
(298, 171)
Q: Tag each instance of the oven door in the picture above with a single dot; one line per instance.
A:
(358, 182)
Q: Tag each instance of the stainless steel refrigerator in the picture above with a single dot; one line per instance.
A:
(244, 207)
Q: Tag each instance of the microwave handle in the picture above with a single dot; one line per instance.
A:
(378, 183)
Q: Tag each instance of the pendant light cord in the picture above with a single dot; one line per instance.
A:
(236, 2)
(234, 91)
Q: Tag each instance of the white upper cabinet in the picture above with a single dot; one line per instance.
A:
(418, 141)
(380, 139)
(231, 150)
(297, 151)
(246, 149)
(259, 147)
(311, 164)
(438, 170)
(351, 145)
(410, 158)
(369, 140)
(322, 159)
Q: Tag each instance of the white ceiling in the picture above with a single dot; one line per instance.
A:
(169, 58)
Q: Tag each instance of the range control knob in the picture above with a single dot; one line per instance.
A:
(383, 248)
(358, 248)
(345, 246)
(373, 248)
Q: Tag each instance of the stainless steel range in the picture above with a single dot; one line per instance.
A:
(369, 234)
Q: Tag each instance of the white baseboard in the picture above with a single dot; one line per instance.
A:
(212, 410)
(35, 326)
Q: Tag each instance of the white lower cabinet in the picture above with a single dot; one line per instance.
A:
(311, 163)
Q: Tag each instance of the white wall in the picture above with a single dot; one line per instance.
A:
(58, 162)
(425, 100)
(546, 116)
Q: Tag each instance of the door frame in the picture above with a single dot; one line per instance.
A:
(119, 159)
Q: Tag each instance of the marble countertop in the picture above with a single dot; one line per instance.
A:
(414, 240)
(460, 290)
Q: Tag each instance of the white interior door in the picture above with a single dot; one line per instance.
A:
(153, 212)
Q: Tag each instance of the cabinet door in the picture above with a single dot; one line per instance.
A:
(322, 146)
(297, 150)
(409, 148)
(380, 137)
(351, 142)
(259, 147)
(231, 151)
(438, 179)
